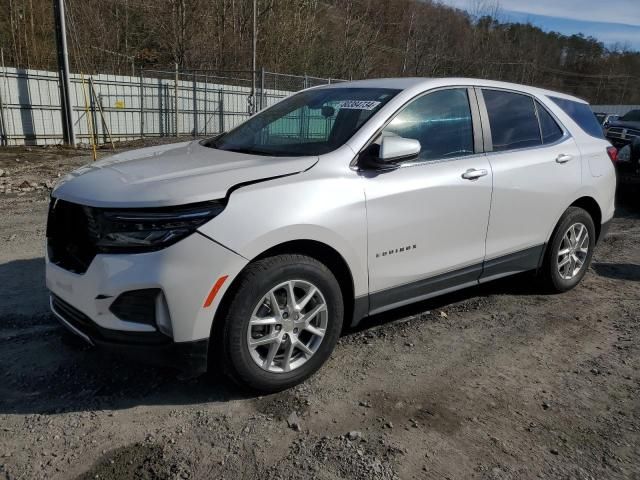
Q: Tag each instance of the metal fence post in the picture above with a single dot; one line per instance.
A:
(141, 103)
(92, 110)
(206, 100)
(4, 136)
(262, 98)
(221, 110)
(175, 100)
(195, 106)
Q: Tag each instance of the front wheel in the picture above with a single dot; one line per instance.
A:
(570, 249)
(282, 322)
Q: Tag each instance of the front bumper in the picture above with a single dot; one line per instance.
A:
(184, 272)
(148, 347)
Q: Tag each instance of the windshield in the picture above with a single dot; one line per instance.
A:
(308, 123)
(632, 116)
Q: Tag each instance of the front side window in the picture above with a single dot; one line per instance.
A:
(308, 123)
(581, 114)
(513, 120)
(440, 121)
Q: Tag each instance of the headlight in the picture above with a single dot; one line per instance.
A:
(148, 229)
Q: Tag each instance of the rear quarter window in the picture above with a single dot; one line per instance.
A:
(582, 114)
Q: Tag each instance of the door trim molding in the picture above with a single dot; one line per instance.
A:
(516, 262)
(423, 289)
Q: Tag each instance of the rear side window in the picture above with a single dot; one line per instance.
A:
(581, 114)
(513, 120)
(551, 131)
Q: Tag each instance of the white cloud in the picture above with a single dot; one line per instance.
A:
(625, 12)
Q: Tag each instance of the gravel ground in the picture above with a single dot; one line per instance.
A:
(495, 382)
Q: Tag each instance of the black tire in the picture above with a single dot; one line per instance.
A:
(252, 285)
(552, 279)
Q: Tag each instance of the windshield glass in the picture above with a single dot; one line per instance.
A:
(632, 116)
(308, 123)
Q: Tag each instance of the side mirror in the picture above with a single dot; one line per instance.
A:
(398, 148)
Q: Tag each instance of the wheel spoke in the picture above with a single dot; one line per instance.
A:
(319, 332)
(572, 236)
(312, 314)
(258, 321)
(564, 251)
(286, 359)
(308, 296)
(273, 302)
(585, 242)
(579, 237)
(267, 339)
(564, 261)
(273, 349)
(303, 348)
(291, 296)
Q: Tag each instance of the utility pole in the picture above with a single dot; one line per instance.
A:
(63, 73)
(254, 38)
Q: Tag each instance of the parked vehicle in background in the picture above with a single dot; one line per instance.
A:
(248, 252)
(628, 164)
(606, 118)
(622, 131)
(624, 134)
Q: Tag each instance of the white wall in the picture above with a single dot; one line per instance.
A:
(618, 109)
(31, 106)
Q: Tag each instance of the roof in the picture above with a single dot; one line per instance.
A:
(426, 83)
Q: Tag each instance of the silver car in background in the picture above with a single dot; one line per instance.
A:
(250, 252)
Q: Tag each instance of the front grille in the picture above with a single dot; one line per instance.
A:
(620, 133)
(71, 235)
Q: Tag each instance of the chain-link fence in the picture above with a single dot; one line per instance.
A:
(156, 103)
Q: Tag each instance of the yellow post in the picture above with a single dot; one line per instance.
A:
(89, 119)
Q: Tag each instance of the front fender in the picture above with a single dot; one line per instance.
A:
(328, 210)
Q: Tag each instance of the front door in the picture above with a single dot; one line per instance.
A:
(427, 220)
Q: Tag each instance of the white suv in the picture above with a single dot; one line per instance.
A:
(249, 252)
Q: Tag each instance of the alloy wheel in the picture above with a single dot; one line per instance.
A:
(287, 326)
(573, 251)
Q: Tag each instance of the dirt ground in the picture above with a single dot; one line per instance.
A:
(495, 382)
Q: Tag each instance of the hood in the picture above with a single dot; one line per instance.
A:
(173, 174)
(622, 124)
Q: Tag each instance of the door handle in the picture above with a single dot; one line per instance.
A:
(563, 158)
(473, 174)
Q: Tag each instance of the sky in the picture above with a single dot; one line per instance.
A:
(610, 21)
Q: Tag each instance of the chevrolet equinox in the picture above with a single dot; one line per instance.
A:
(248, 252)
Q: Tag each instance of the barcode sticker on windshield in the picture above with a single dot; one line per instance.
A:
(359, 104)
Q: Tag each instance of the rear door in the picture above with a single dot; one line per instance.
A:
(536, 172)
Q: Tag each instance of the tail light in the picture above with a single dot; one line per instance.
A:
(613, 153)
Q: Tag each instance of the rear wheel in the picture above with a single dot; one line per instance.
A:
(570, 250)
(282, 323)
